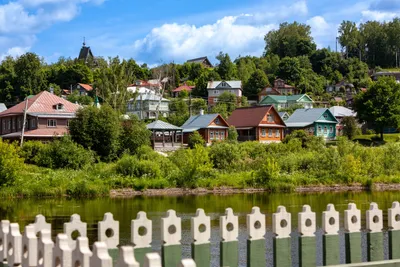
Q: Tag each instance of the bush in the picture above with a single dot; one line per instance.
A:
(225, 155)
(134, 135)
(232, 134)
(64, 153)
(269, 171)
(193, 164)
(10, 163)
(196, 139)
(133, 167)
(31, 150)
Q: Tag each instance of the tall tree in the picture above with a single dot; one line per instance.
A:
(257, 81)
(226, 68)
(349, 36)
(290, 40)
(379, 106)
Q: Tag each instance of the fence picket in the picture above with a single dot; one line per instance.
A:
(330, 239)
(375, 234)
(171, 232)
(141, 235)
(256, 247)
(281, 227)
(201, 234)
(307, 243)
(229, 246)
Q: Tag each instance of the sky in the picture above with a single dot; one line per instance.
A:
(163, 31)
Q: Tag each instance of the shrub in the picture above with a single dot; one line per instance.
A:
(195, 139)
(133, 167)
(193, 164)
(232, 134)
(225, 155)
(64, 153)
(31, 150)
(269, 171)
(10, 163)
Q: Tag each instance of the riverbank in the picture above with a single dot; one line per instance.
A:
(128, 192)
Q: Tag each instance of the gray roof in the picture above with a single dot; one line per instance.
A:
(339, 111)
(232, 84)
(162, 125)
(2, 107)
(304, 117)
(282, 113)
(199, 121)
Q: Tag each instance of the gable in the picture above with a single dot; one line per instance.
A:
(277, 119)
(269, 99)
(223, 85)
(327, 116)
(218, 121)
(304, 98)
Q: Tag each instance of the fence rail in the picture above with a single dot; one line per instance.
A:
(35, 248)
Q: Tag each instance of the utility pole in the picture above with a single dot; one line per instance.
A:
(141, 106)
(190, 104)
(24, 121)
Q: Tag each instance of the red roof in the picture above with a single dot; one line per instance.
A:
(87, 87)
(43, 102)
(249, 117)
(47, 132)
(183, 87)
(264, 91)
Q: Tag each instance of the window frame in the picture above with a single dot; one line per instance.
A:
(325, 130)
(277, 133)
(54, 124)
(270, 118)
(222, 135)
(263, 132)
(331, 129)
(269, 132)
(211, 135)
(216, 135)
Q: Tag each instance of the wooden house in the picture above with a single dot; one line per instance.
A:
(212, 127)
(261, 123)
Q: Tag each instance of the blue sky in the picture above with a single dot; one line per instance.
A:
(161, 31)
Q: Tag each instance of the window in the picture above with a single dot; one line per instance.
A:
(270, 133)
(263, 132)
(32, 123)
(13, 124)
(216, 121)
(222, 135)
(59, 106)
(311, 130)
(331, 129)
(51, 123)
(326, 116)
(319, 129)
(216, 92)
(19, 123)
(325, 130)
(9, 124)
(211, 135)
(270, 118)
(277, 133)
(216, 135)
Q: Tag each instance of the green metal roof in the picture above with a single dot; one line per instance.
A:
(284, 98)
(304, 117)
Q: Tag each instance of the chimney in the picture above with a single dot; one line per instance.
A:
(52, 90)
(201, 112)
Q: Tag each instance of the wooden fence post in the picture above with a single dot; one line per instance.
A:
(282, 226)
(201, 234)
(394, 231)
(141, 235)
(256, 248)
(374, 235)
(352, 235)
(229, 247)
(330, 239)
(307, 243)
(171, 236)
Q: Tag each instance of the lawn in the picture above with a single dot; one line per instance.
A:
(367, 139)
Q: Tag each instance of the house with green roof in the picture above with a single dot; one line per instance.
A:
(314, 121)
(287, 101)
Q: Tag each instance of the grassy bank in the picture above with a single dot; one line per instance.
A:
(300, 162)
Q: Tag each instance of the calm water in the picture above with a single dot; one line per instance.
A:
(58, 211)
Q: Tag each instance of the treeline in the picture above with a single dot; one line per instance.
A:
(290, 54)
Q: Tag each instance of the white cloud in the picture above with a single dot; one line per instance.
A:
(20, 20)
(182, 41)
(378, 15)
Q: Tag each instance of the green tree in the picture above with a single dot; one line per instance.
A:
(290, 40)
(255, 84)
(350, 127)
(10, 163)
(290, 70)
(349, 36)
(195, 139)
(232, 134)
(7, 79)
(379, 106)
(98, 130)
(197, 105)
(30, 76)
(134, 135)
(226, 68)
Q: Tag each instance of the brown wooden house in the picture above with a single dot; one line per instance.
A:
(261, 124)
(47, 116)
(212, 127)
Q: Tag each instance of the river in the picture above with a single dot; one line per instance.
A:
(58, 211)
